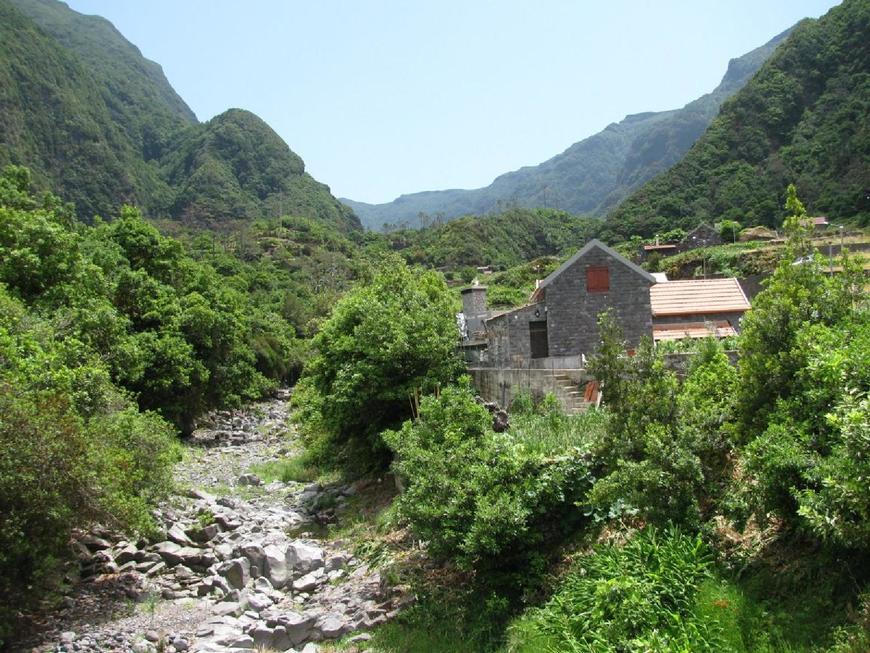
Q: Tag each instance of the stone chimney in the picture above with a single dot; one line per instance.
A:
(474, 307)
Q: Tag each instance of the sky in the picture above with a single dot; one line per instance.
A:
(384, 97)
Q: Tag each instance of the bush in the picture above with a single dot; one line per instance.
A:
(638, 597)
(388, 342)
(482, 499)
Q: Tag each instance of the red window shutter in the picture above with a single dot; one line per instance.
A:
(597, 278)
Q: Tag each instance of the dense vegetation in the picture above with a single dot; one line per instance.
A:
(591, 176)
(803, 119)
(719, 493)
(499, 240)
(100, 125)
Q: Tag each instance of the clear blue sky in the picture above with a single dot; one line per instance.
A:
(383, 97)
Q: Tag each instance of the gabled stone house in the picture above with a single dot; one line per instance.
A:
(558, 329)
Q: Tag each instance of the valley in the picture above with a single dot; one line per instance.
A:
(618, 401)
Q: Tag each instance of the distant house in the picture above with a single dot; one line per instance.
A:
(704, 235)
(662, 249)
(818, 223)
(558, 328)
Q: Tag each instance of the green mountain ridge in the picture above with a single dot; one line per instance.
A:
(804, 118)
(100, 124)
(593, 175)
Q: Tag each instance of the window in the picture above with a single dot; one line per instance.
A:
(538, 339)
(597, 278)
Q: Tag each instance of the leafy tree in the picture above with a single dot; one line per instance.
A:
(387, 342)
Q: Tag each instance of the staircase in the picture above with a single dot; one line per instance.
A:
(572, 396)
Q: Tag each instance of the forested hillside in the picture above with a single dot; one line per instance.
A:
(802, 119)
(100, 124)
(591, 176)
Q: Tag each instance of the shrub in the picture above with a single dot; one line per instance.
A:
(483, 499)
(388, 342)
(638, 597)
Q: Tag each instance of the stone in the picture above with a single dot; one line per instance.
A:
(280, 639)
(169, 551)
(259, 601)
(303, 557)
(307, 582)
(176, 534)
(152, 635)
(126, 554)
(331, 626)
(180, 644)
(242, 641)
(94, 542)
(263, 636)
(68, 637)
(249, 479)
(227, 608)
(275, 567)
(253, 552)
(237, 572)
(297, 626)
(335, 562)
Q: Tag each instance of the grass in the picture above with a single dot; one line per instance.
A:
(299, 469)
(555, 434)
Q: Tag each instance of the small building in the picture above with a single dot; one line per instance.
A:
(561, 320)
(662, 249)
(697, 308)
(704, 235)
(818, 223)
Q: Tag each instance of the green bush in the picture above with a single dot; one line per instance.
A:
(483, 499)
(389, 341)
(638, 597)
(666, 450)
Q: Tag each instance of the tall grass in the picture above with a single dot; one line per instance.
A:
(555, 434)
(638, 597)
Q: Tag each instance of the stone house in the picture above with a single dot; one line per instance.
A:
(543, 345)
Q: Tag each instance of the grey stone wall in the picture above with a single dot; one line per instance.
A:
(503, 384)
(572, 313)
(508, 336)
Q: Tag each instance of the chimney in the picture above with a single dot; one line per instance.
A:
(474, 301)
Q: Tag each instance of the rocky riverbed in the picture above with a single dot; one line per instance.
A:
(235, 567)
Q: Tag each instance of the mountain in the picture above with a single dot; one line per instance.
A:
(593, 175)
(101, 124)
(804, 118)
(235, 165)
(53, 118)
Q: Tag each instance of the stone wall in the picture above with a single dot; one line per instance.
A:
(508, 336)
(501, 385)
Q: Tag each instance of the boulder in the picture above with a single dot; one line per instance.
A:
(303, 558)
(275, 566)
(237, 572)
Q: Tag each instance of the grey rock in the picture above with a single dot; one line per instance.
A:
(249, 479)
(237, 572)
(126, 554)
(227, 608)
(304, 557)
(331, 626)
(176, 534)
(169, 551)
(254, 552)
(307, 582)
(275, 565)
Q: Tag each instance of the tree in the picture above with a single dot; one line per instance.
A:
(386, 343)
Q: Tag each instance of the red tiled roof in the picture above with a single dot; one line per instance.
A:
(698, 297)
(692, 330)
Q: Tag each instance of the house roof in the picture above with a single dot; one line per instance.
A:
(692, 330)
(698, 297)
(588, 246)
(654, 248)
